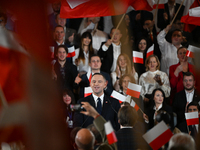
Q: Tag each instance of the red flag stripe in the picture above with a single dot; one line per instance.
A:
(111, 138)
(161, 140)
(71, 54)
(136, 107)
(137, 60)
(87, 94)
(160, 6)
(192, 121)
(133, 93)
(189, 54)
(149, 54)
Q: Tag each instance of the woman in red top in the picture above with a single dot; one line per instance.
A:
(176, 72)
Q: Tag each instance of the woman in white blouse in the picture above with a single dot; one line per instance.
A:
(123, 67)
(81, 59)
(153, 79)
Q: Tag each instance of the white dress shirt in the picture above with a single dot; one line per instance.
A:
(96, 97)
(189, 96)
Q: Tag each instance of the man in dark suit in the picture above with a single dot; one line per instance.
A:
(95, 65)
(166, 15)
(106, 106)
(184, 97)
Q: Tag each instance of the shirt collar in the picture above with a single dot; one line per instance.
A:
(60, 44)
(158, 107)
(189, 92)
(96, 97)
(114, 45)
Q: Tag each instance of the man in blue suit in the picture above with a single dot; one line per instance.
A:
(105, 105)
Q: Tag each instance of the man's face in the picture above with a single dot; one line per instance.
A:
(95, 63)
(60, 21)
(61, 54)
(188, 82)
(147, 24)
(117, 36)
(59, 33)
(98, 83)
(177, 38)
(179, 25)
(192, 108)
(56, 7)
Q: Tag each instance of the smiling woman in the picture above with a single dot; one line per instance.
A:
(152, 79)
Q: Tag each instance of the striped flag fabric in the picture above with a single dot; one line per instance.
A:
(52, 51)
(137, 57)
(88, 91)
(133, 90)
(158, 135)
(71, 52)
(110, 133)
(191, 50)
(133, 104)
(89, 74)
(118, 96)
(192, 118)
(150, 51)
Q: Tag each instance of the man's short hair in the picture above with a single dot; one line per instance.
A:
(61, 46)
(127, 116)
(193, 103)
(181, 140)
(100, 75)
(94, 55)
(96, 133)
(188, 74)
(58, 26)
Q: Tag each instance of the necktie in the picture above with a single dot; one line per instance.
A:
(99, 107)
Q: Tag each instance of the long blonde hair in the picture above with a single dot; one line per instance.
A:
(128, 62)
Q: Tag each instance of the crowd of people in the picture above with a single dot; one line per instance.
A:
(85, 54)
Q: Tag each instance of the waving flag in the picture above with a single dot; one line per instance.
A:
(137, 57)
(118, 96)
(158, 135)
(150, 51)
(98, 8)
(133, 90)
(88, 91)
(192, 118)
(191, 50)
(110, 133)
(71, 52)
(133, 104)
(89, 74)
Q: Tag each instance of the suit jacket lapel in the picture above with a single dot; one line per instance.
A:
(106, 105)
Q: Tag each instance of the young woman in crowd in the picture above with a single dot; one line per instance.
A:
(157, 104)
(81, 59)
(141, 46)
(123, 67)
(68, 98)
(176, 72)
(152, 79)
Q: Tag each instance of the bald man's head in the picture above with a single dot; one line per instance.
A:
(85, 139)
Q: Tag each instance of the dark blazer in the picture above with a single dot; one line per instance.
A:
(150, 114)
(179, 104)
(110, 109)
(70, 75)
(161, 23)
(85, 83)
(183, 128)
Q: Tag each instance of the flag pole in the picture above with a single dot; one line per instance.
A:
(118, 26)
(141, 110)
(3, 99)
(177, 12)
(156, 10)
(188, 130)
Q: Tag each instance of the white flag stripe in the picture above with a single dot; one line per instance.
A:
(10, 41)
(191, 115)
(108, 128)
(71, 49)
(118, 96)
(137, 54)
(193, 48)
(89, 72)
(150, 48)
(134, 87)
(132, 103)
(195, 12)
(51, 49)
(88, 90)
(73, 3)
(188, 4)
(155, 132)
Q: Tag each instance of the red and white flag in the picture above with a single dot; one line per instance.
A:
(158, 135)
(133, 90)
(89, 75)
(191, 50)
(71, 52)
(150, 51)
(98, 8)
(137, 57)
(133, 104)
(88, 91)
(52, 51)
(110, 133)
(192, 118)
(118, 96)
